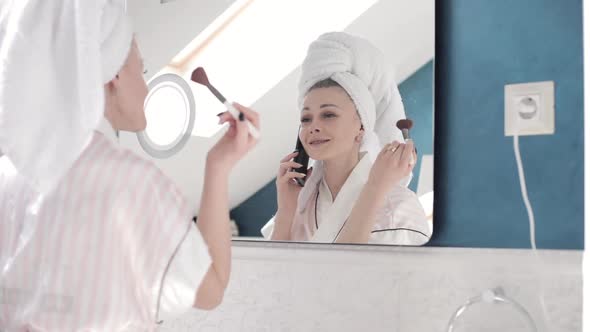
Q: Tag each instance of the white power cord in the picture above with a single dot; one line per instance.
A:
(525, 195)
(531, 217)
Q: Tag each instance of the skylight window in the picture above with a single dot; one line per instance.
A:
(254, 44)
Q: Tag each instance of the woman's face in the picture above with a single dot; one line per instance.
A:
(129, 91)
(329, 124)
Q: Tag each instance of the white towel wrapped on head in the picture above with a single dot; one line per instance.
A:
(363, 72)
(55, 58)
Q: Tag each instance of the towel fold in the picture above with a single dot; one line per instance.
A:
(55, 58)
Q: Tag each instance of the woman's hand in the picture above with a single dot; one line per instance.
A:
(236, 142)
(394, 162)
(287, 188)
(287, 193)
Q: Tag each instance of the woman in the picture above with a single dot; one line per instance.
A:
(93, 237)
(356, 191)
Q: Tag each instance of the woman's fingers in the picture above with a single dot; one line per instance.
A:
(284, 167)
(293, 174)
(407, 154)
(394, 153)
(290, 164)
(225, 117)
(249, 114)
(290, 156)
(288, 176)
(394, 147)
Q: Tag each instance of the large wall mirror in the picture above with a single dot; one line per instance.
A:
(350, 84)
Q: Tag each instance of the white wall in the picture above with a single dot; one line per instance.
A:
(403, 30)
(325, 288)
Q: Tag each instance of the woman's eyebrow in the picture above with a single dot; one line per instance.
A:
(328, 105)
(306, 108)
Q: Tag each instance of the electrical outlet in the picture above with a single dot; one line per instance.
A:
(529, 109)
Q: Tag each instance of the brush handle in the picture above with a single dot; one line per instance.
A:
(407, 138)
(216, 93)
(236, 114)
(406, 134)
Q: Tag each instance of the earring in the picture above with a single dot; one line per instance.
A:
(359, 137)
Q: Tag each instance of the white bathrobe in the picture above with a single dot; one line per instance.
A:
(113, 248)
(90, 234)
(400, 221)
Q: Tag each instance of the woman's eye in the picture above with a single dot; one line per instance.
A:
(329, 115)
(305, 120)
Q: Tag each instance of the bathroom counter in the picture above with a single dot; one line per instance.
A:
(302, 287)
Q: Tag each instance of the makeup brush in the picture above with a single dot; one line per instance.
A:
(199, 76)
(405, 125)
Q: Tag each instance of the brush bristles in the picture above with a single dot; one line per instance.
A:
(405, 124)
(200, 76)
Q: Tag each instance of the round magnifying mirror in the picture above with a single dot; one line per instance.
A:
(170, 114)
